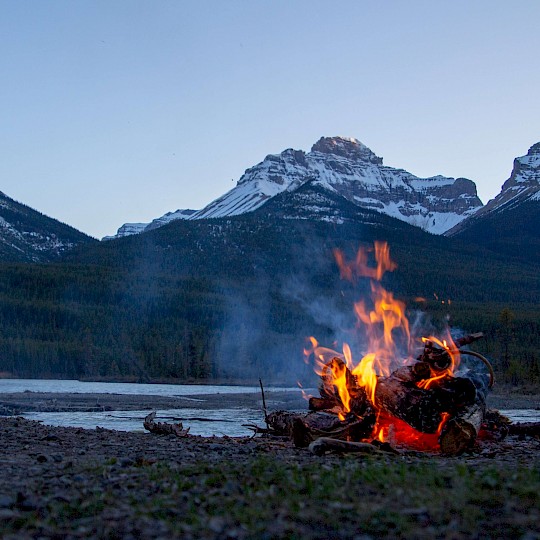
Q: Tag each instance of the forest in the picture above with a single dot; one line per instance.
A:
(235, 300)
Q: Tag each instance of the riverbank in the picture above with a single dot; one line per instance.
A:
(24, 402)
(74, 483)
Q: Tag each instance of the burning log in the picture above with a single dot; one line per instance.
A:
(423, 398)
(422, 408)
(303, 429)
(163, 428)
(460, 432)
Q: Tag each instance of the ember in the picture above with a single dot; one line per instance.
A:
(403, 398)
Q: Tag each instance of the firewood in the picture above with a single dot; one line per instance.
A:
(327, 444)
(316, 425)
(419, 371)
(305, 428)
(422, 408)
(460, 432)
(322, 404)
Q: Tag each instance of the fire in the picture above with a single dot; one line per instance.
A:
(399, 433)
(388, 344)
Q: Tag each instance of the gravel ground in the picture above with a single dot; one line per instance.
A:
(65, 483)
(73, 483)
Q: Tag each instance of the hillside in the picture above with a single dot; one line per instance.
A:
(510, 223)
(26, 235)
(235, 298)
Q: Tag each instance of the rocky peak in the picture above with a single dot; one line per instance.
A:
(526, 171)
(346, 147)
(534, 149)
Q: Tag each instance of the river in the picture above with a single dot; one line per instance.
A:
(207, 422)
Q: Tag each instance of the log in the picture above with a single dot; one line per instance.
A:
(163, 428)
(461, 431)
(328, 444)
(438, 358)
(423, 408)
(305, 428)
(322, 404)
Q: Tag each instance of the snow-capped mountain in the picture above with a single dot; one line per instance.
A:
(522, 186)
(28, 236)
(348, 168)
(128, 229)
(509, 224)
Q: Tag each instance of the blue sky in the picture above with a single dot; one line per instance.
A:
(119, 111)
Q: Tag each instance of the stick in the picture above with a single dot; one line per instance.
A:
(265, 410)
(328, 444)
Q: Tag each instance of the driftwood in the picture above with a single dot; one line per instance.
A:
(163, 428)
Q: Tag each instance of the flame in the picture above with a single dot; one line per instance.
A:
(452, 352)
(382, 321)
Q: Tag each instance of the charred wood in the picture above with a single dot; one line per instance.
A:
(305, 428)
(423, 408)
(461, 431)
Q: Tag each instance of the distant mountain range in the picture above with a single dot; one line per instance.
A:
(509, 224)
(338, 180)
(346, 167)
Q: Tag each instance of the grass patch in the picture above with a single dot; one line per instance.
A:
(268, 497)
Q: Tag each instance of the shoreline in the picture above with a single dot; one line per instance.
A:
(24, 402)
(28, 401)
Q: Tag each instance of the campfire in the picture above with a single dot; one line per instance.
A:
(403, 390)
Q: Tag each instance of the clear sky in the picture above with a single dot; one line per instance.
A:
(116, 111)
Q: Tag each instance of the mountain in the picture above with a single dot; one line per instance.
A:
(509, 224)
(127, 229)
(348, 168)
(28, 236)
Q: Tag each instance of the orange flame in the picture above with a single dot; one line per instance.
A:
(455, 358)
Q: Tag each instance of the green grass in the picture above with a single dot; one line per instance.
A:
(266, 497)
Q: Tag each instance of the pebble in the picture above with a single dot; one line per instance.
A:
(6, 501)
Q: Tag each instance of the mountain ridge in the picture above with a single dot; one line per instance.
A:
(348, 167)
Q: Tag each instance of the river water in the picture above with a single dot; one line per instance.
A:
(218, 422)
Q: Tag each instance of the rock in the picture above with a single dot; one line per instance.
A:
(6, 501)
(26, 503)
